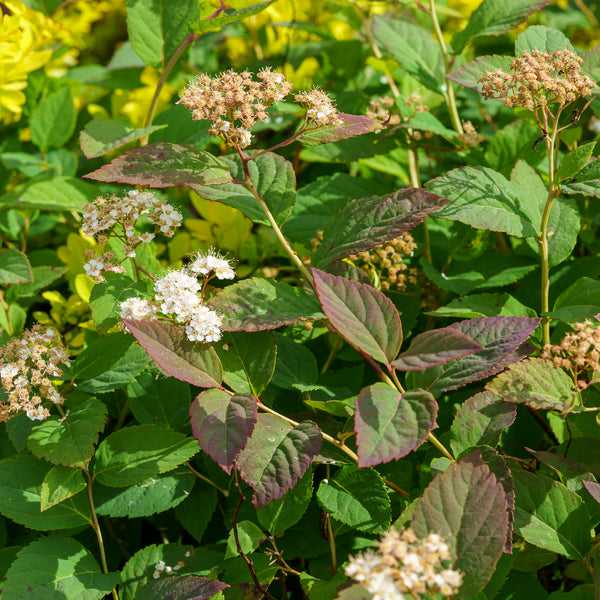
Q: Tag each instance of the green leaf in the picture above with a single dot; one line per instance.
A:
(369, 222)
(578, 302)
(101, 136)
(42, 277)
(168, 345)
(535, 382)
(222, 423)
(296, 365)
(467, 506)
(426, 121)
(574, 161)
(58, 193)
(59, 484)
(495, 17)
(157, 27)
(485, 199)
(250, 537)
(413, 47)
(165, 165)
(545, 39)
(231, 17)
(363, 316)
(550, 516)
(21, 479)
(181, 588)
(587, 181)
(390, 424)
(248, 360)
(257, 304)
(14, 267)
(196, 511)
(276, 456)
(154, 495)
(513, 145)
(483, 305)
(162, 401)
(53, 121)
(133, 454)
(57, 566)
(281, 514)
(479, 421)
(357, 498)
(435, 347)
(272, 175)
(70, 442)
(468, 74)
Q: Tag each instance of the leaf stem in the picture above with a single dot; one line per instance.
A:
(206, 479)
(433, 440)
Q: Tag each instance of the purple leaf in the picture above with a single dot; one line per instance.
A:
(535, 382)
(352, 125)
(500, 338)
(222, 424)
(467, 506)
(258, 304)
(593, 488)
(389, 424)
(479, 421)
(363, 316)
(168, 345)
(164, 165)
(189, 587)
(434, 348)
(369, 222)
(276, 456)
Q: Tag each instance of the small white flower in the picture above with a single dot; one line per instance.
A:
(137, 308)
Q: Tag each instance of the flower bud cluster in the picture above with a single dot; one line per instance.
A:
(178, 296)
(234, 102)
(404, 564)
(27, 366)
(579, 350)
(470, 138)
(380, 110)
(388, 263)
(537, 79)
(320, 110)
(116, 217)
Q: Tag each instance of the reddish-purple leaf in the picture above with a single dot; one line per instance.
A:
(189, 587)
(352, 125)
(168, 345)
(258, 304)
(434, 348)
(593, 488)
(467, 506)
(500, 338)
(369, 222)
(535, 382)
(222, 424)
(164, 165)
(389, 424)
(276, 456)
(363, 316)
(479, 421)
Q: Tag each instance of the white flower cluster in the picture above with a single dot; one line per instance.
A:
(405, 565)
(116, 217)
(27, 366)
(179, 296)
(161, 567)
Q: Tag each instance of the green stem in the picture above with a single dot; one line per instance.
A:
(449, 94)
(433, 440)
(206, 479)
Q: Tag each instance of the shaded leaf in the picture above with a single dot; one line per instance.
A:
(133, 454)
(363, 316)
(593, 488)
(466, 505)
(101, 136)
(390, 424)
(435, 347)
(59, 484)
(189, 587)
(168, 345)
(296, 365)
(164, 165)
(586, 182)
(369, 222)
(250, 537)
(352, 125)
(257, 304)
(357, 498)
(550, 516)
(578, 302)
(57, 566)
(222, 424)
(276, 456)
(535, 382)
(14, 267)
(196, 511)
(479, 421)
(468, 74)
